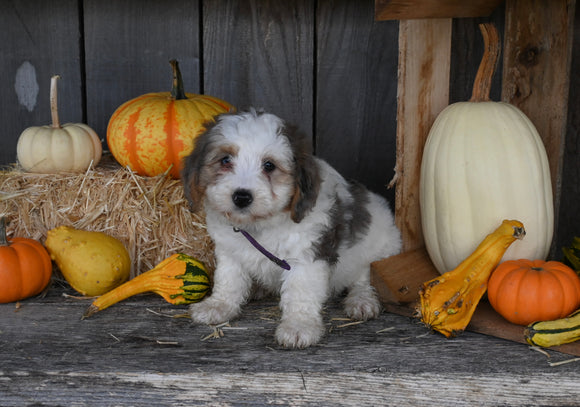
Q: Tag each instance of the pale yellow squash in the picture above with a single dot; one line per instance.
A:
(93, 263)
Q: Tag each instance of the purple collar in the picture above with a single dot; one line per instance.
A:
(282, 263)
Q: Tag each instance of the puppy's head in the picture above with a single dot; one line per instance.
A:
(250, 166)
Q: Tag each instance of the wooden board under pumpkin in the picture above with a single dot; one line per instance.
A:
(398, 278)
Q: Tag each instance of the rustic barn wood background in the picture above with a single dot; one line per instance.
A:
(325, 65)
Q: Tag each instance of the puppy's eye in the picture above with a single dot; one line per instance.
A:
(226, 161)
(268, 166)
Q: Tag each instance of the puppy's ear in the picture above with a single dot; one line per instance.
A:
(306, 174)
(193, 169)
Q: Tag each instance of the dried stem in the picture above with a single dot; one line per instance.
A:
(54, 101)
(177, 91)
(482, 83)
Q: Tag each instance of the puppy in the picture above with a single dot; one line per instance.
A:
(286, 220)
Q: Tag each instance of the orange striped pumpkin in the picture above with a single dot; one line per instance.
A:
(154, 132)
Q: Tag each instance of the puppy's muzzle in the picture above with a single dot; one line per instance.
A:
(242, 198)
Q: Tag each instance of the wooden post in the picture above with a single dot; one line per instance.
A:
(536, 72)
(423, 91)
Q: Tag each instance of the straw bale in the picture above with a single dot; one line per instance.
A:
(150, 215)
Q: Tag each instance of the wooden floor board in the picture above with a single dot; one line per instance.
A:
(141, 353)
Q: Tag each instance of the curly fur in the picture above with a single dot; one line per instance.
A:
(253, 171)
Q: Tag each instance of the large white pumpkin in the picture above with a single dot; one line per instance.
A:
(484, 162)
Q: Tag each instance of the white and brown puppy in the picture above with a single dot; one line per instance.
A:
(254, 174)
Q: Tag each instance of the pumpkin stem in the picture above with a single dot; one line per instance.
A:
(488, 64)
(54, 101)
(177, 91)
(3, 239)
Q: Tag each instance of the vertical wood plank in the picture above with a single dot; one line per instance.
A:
(260, 54)
(128, 46)
(39, 39)
(569, 215)
(536, 74)
(423, 91)
(356, 92)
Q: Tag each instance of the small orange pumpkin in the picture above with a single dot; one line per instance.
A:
(25, 267)
(155, 131)
(525, 291)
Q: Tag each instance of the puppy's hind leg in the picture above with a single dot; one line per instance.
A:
(362, 302)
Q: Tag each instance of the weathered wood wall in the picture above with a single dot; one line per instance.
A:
(569, 222)
(327, 66)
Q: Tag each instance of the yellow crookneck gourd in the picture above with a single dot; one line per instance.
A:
(179, 279)
(448, 302)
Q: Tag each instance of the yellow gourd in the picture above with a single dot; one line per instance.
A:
(179, 279)
(555, 332)
(448, 302)
(92, 262)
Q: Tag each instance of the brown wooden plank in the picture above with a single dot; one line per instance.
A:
(569, 216)
(423, 91)
(410, 9)
(39, 39)
(128, 46)
(486, 321)
(260, 54)
(356, 93)
(536, 73)
(399, 278)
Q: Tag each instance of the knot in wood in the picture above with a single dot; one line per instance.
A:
(529, 56)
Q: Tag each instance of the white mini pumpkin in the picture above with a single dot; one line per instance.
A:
(483, 162)
(72, 147)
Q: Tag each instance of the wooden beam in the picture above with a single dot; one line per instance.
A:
(398, 279)
(411, 9)
(536, 71)
(423, 91)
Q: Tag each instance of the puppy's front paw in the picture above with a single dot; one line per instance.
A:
(362, 305)
(212, 311)
(299, 333)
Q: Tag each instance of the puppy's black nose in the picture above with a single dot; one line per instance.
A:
(242, 198)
